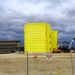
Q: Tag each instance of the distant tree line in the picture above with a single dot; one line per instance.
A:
(65, 49)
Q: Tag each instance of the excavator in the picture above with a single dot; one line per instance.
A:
(57, 50)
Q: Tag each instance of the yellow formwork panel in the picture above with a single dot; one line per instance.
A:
(36, 37)
(48, 40)
(53, 39)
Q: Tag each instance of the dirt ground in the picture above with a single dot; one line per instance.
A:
(16, 64)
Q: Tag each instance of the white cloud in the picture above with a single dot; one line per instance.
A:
(59, 13)
(70, 28)
(9, 35)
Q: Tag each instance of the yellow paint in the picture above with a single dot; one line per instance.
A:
(37, 37)
(53, 40)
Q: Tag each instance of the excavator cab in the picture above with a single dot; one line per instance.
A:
(56, 50)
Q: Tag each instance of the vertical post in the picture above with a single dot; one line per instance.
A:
(27, 62)
(71, 58)
(72, 64)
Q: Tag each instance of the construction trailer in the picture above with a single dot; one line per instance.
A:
(38, 37)
(9, 46)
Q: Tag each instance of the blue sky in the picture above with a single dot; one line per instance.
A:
(15, 13)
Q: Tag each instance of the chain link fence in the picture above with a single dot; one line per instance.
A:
(59, 64)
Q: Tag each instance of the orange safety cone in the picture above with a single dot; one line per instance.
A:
(35, 56)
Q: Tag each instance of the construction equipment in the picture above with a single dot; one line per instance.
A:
(57, 50)
(71, 45)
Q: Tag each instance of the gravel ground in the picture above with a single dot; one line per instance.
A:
(16, 64)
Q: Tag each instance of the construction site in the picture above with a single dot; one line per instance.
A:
(39, 38)
(42, 54)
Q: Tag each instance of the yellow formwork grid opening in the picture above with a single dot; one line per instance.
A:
(36, 37)
(53, 39)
